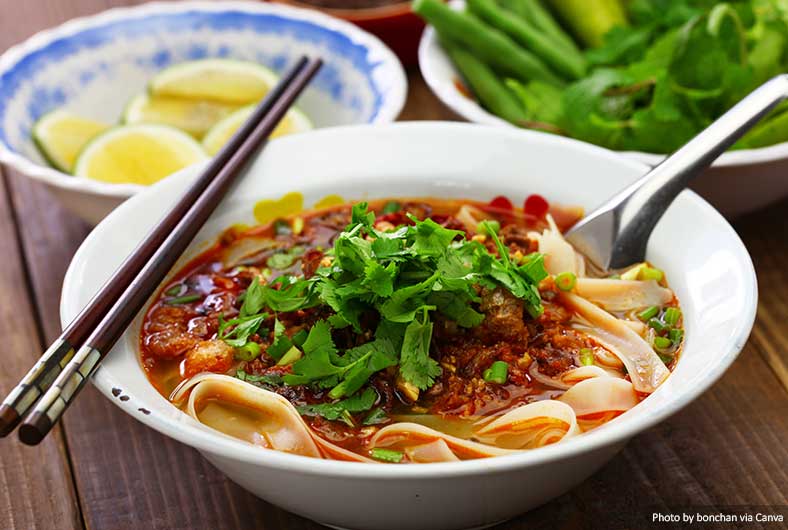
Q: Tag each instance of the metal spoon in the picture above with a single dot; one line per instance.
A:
(616, 233)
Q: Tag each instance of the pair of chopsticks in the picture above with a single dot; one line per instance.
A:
(54, 381)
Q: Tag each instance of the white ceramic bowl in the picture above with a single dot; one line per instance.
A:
(708, 267)
(738, 181)
(94, 65)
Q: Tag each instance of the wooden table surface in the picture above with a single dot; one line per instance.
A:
(102, 470)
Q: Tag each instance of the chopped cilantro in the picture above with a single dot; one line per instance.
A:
(401, 276)
(341, 410)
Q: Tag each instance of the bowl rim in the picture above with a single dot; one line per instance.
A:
(390, 109)
(470, 110)
(218, 444)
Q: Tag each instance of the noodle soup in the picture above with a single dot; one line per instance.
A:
(408, 331)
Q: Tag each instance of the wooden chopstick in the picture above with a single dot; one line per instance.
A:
(49, 365)
(173, 234)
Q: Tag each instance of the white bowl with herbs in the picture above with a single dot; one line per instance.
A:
(634, 77)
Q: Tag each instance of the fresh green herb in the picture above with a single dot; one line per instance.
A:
(489, 226)
(586, 357)
(341, 410)
(267, 379)
(416, 365)
(496, 373)
(186, 299)
(654, 74)
(387, 455)
(236, 332)
(676, 335)
(671, 316)
(248, 352)
(376, 416)
(648, 313)
(391, 207)
(566, 281)
(402, 275)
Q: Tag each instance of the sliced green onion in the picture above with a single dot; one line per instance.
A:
(648, 313)
(662, 343)
(497, 373)
(282, 227)
(248, 352)
(671, 316)
(650, 273)
(657, 324)
(586, 357)
(175, 290)
(566, 281)
(291, 356)
(391, 207)
(387, 455)
(187, 299)
(676, 335)
(488, 227)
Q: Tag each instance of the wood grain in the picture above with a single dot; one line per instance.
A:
(726, 448)
(36, 489)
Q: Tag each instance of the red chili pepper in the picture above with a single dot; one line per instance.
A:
(536, 205)
(502, 202)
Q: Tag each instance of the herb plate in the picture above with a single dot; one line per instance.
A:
(738, 182)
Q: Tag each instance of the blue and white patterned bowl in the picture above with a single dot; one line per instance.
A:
(95, 65)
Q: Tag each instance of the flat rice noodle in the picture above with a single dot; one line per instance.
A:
(408, 435)
(622, 295)
(566, 380)
(645, 368)
(437, 451)
(530, 426)
(600, 394)
(277, 421)
(560, 256)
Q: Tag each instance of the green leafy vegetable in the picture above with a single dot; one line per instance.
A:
(342, 410)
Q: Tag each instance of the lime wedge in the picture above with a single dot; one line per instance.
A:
(190, 115)
(294, 121)
(61, 135)
(222, 80)
(138, 154)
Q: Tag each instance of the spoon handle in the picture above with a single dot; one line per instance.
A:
(640, 206)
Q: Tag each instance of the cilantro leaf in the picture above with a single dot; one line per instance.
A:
(341, 410)
(430, 238)
(319, 352)
(416, 366)
(380, 279)
(282, 342)
(240, 329)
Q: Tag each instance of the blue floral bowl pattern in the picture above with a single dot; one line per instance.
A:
(95, 65)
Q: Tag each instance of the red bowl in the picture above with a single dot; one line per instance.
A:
(394, 24)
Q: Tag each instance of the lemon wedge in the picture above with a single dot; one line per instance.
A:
(222, 80)
(61, 135)
(138, 154)
(189, 115)
(294, 121)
